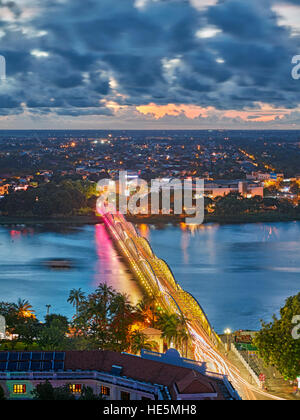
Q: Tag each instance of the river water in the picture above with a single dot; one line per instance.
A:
(239, 273)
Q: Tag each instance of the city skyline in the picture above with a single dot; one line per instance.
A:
(149, 64)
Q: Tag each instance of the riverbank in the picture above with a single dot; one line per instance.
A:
(222, 220)
(33, 221)
(152, 219)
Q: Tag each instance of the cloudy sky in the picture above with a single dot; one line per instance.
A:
(149, 64)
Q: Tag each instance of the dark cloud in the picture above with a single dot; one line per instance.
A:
(12, 6)
(69, 56)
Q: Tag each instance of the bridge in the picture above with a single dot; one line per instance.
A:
(154, 274)
(157, 280)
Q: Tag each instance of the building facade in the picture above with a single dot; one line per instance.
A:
(116, 376)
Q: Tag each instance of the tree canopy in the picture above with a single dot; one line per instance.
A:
(276, 342)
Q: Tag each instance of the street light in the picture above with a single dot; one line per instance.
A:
(48, 309)
(228, 332)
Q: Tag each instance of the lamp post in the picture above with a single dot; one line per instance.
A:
(228, 333)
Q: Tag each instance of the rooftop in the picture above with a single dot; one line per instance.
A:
(177, 379)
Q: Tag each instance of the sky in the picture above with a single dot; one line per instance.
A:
(149, 64)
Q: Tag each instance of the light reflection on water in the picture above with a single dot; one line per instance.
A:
(110, 269)
(239, 273)
(94, 260)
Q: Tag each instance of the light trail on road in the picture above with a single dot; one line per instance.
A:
(157, 279)
(205, 352)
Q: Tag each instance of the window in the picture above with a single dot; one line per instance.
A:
(105, 391)
(125, 396)
(19, 389)
(75, 388)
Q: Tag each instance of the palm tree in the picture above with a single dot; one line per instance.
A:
(168, 323)
(123, 316)
(182, 336)
(48, 309)
(75, 297)
(174, 330)
(146, 309)
(24, 309)
(139, 341)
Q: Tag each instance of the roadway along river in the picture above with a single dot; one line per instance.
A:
(239, 273)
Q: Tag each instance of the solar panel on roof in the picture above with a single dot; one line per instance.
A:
(60, 355)
(3, 356)
(47, 366)
(58, 365)
(36, 355)
(2, 366)
(49, 355)
(13, 357)
(23, 366)
(35, 366)
(12, 366)
(25, 356)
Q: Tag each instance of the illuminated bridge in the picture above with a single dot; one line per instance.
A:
(156, 278)
(154, 274)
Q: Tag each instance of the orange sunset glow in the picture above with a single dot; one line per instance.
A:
(263, 113)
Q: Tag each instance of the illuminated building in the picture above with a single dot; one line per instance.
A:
(116, 376)
(221, 188)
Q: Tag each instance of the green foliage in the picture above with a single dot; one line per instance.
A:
(139, 341)
(10, 313)
(49, 199)
(75, 297)
(46, 392)
(27, 329)
(86, 188)
(234, 204)
(104, 318)
(2, 395)
(276, 344)
(87, 394)
(20, 320)
(53, 335)
(61, 318)
(174, 330)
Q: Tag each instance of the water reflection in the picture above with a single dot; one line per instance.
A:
(239, 273)
(144, 230)
(110, 269)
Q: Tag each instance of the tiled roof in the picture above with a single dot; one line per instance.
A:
(195, 383)
(187, 381)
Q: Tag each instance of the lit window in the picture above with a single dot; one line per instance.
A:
(75, 388)
(105, 390)
(19, 389)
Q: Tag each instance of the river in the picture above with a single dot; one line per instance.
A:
(239, 273)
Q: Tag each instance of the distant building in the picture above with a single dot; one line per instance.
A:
(221, 188)
(116, 376)
(261, 176)
(4, 189)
